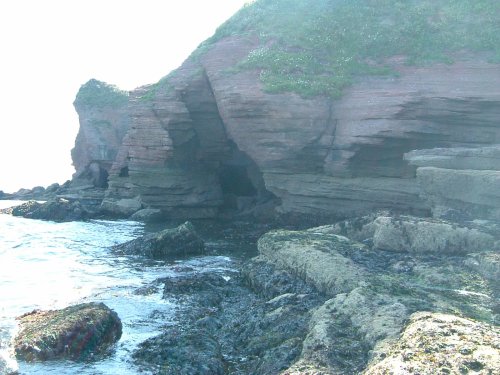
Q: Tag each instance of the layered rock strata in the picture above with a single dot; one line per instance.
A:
(463, 182)
(208, 136)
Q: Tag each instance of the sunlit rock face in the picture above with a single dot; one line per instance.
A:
(171, 156)
(345, 157)
(463, 182)
(103, 113)
(318, 156)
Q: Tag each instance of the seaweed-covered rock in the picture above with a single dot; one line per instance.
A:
(77, 332)
(446, 344)
(182, 240)
(181, 353)
(59, 209)
(318, 258)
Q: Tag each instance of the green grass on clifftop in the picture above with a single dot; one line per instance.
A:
(317, 47)
(100, 94)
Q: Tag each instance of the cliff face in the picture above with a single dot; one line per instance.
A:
(211, 136)
(104, 121)
(318, 156)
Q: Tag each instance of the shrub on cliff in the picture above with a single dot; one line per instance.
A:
(99, 94)
(318, 47)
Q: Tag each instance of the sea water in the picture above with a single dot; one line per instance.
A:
(48, 265)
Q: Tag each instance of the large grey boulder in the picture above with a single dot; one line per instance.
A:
(433, 342)
(459, 181)
(415, 235)
(179, 241)
(474, 192)
(315, 258)
(77, 332)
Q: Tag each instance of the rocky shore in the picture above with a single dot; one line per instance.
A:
(316, 302)
(378, 194)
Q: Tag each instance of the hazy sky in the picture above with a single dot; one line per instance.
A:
(50, 48)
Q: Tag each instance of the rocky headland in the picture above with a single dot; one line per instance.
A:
(377, 148)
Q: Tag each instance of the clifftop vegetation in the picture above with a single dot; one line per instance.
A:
(100, 94)
(317, 47)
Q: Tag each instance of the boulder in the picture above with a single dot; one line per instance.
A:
(179, 241)
(473, 192)
(403, 233)
(415, 235)
(433, 341)
(316, 258)
(77, 332)
(147, 215)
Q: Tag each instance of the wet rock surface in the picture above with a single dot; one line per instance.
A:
(225, 328)
(315, 302)
(79, 332)
(180, 241)
(59, 209)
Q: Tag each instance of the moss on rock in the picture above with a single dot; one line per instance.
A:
(77, 332)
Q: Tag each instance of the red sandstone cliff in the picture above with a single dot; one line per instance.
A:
(206, 137)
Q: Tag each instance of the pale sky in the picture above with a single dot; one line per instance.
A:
(50, 48)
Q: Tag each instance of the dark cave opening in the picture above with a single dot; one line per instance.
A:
(234, 180)
(102, 181)
(123, 172)
(241, 181)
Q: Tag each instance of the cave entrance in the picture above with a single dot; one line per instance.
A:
(234, 180)
(241, 181)
(123, 172)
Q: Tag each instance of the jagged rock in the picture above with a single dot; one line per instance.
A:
(316, 258)
(183, 353)
(59, 209)
(450, 344)
(269, 281)
(179, 241)
(77, 332)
